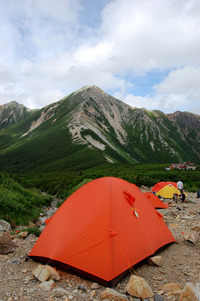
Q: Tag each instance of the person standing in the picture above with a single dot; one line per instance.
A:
(180, 185)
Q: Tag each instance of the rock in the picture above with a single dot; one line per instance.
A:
(188, 293)
(41, 228)
(75, 292)
(28, 279)
(7, 248)
(174, 225)
(59, 292)
(23, 234)
(53, 273)
(191, 236)
(95, 286)
(4, 257)
(158, 298)
(197, 290)
(187, 217)
(111, 294)
(138, 287)
(82, 287)
(196, 228)
(5, 238)
(4, 226)
(15, 261)
(92, 294)
(155, 260)
(47, 285)
(51, 212)
(172, 287)
(41, 273)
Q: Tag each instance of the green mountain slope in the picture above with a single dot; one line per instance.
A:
(90, 127)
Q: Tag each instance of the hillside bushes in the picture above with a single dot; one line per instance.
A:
(19, 205)
(61, 184)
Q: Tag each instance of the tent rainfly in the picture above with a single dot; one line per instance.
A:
(155, 201)
(102, 230)
(158, 186)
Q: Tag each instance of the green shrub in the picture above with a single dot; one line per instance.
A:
(83, 182)
(36, 231)
(19, 205)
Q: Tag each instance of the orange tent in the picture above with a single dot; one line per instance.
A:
(158, 186)
(102, 230)
(155, 201)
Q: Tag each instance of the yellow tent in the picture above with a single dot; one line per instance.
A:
(168, 191)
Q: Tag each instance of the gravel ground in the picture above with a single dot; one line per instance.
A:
(181, 264)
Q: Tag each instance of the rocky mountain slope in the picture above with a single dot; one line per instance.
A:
(90, 127)
(11, 113)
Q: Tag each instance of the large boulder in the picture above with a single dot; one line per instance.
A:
(4, 226)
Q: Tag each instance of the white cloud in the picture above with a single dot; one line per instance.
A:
(195, 109)
(181, 81)
(47, 51)
(153, 34)
(181, 88)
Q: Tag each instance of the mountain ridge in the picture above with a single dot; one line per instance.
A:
(90, 127)
(11, 113)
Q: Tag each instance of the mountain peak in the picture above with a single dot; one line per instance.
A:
(90, 90)
(10, 104)
(11, 113)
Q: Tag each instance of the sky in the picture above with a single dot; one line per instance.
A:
(143, 52)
